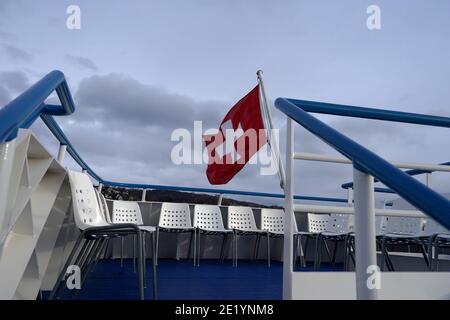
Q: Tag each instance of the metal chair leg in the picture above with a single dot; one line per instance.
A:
(66, 265)
(316, 252)
(222, 247)
(121, 252)
(140, 264)
(383, 254)
(199, 248)
(134, 253)
(190, 246)
(333, 260)
(144, 258)
(195, 246)
(256, 248)
(155, 278)
(157, 245)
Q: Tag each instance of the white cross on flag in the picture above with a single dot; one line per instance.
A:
(241, 135)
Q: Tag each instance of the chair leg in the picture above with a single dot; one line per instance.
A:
(134, 253)
(155, 278)
(66, 265)
(425, 255)
(436, 253)
(140, 264)
(144, 258)
(199, 248)
(121, 252)
(190, 246)
(333, 260)
(256, 248)
(316, 252)
(195, 246)
(383, 254)
(222, 247)
(157, 245)
(327, 249)
(235, 249)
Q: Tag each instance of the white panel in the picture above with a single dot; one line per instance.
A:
(394, 285)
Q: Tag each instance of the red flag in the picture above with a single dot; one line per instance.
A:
(243, 127)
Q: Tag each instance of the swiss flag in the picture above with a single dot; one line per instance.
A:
(244, 128)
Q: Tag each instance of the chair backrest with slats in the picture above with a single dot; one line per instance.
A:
(175, 216)
(404, 225)
(127, 212)
(318, 222)
(272, 220)
(241, 218)
(86, 208)
(208, 217)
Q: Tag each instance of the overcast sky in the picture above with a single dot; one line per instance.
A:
(140, 69)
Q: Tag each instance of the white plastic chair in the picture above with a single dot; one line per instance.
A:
(95, 233)
(208, 220)
(130, 212)
(404, 231)
(440, 238)
(242, 222)
(174, 217)
(272, 225)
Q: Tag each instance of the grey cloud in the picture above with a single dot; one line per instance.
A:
(4, 96)
(82, 62)
(16, 81)
(118, 99)
(16, 53)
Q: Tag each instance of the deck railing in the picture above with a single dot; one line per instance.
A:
(26, 108)
(367, 166)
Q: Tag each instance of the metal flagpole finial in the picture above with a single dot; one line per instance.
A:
(259, 73)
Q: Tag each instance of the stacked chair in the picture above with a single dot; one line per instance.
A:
(208, 221)
(272, 225)
(405, 231)
(91, 218)
(174, 218)
(242, 222)
(323, 228)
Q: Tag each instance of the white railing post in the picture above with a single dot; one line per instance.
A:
(289, 213)
(6, 165)
(350, 196)
(144, 194)
(100, 187)
(428, 179)
(219, 202)
(365, 238)
(61, 153)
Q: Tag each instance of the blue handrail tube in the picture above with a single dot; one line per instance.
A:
(27, 107)
(420, 196)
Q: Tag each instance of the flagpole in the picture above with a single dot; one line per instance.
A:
(273, 141)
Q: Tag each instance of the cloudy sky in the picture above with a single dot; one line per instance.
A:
(140, 69)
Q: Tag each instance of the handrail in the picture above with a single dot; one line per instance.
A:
(420, 196)
(26, 108)
(218, 191)
(374, 114)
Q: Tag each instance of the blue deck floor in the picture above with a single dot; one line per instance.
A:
(180, 280)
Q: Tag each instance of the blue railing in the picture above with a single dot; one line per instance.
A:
(420, 196)
(26, 108)
(375, 114)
